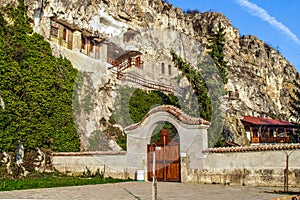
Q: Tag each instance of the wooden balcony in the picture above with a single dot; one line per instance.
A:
(283, 139)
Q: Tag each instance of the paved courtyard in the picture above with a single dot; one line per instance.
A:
(142, 190)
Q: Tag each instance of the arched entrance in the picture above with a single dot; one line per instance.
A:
(164, 156)
(192, 133)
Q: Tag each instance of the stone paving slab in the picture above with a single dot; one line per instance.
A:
(143, 191)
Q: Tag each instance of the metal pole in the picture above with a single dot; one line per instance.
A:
(165, 168)
(154, 182)
(287, 173)
(286, 182)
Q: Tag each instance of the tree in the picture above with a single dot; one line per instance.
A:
(216, 51)
(295, 102)
(295, 109)
(133, 104)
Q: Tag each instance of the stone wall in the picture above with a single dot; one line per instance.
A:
(111, 164)
(265, 168)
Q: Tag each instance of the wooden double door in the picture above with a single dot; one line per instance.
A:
(167, 159)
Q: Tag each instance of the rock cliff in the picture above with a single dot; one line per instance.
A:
(260, 78)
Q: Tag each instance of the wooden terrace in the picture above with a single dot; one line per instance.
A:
(265, 130)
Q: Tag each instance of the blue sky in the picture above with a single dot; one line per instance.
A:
(276, 22)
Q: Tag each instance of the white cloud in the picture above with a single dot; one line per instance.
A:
(257, 11)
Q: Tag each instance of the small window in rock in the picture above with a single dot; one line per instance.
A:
(163, 68)
(170, 70)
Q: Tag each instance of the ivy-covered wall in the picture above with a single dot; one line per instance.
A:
(36, 88)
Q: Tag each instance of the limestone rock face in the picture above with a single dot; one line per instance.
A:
(258, 73)
(8, 3)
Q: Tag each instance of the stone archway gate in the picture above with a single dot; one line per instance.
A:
(192, 133)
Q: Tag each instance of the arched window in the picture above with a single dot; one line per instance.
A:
(163, 68)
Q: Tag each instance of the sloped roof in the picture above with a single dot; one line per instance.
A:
(265, 121)
(74, 27)
(116, 52)
(129, 54)
(66, 24)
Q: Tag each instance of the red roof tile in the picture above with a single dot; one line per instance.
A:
(265, 121)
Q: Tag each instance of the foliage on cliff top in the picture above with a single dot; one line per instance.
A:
(36, 88)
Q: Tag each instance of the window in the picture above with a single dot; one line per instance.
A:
(65, 35)
(138, 61)
(54, 31)
(170, 70)
(163, 68)
(92, 46)
(83, 42)
(255, 132)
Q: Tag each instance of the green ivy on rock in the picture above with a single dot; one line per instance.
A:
(36, 88)
(216, 51)
(198, 84)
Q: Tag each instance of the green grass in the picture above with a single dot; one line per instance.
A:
(53, 180)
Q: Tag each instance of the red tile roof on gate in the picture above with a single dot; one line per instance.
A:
(176, 112)
(265, 121)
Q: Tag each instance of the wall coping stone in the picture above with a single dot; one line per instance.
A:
(89, 153)
(263, 147)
